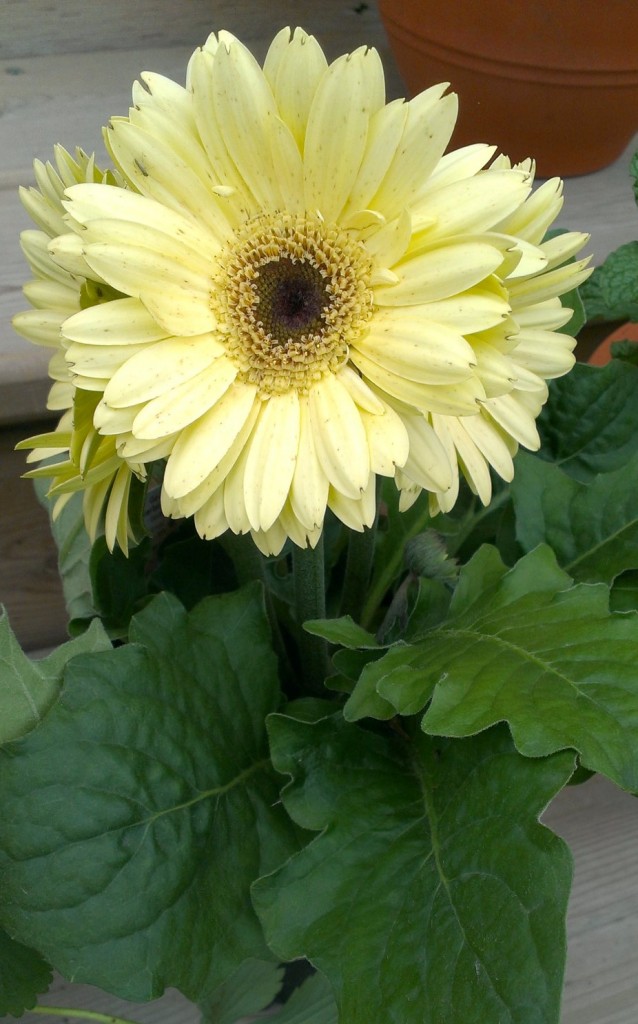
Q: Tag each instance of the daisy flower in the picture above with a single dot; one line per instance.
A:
(313, 294)
(75, 457)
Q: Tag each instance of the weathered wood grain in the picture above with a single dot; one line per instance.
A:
(29, 584)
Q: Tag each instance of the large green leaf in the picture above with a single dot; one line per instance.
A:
(527, 647)
(431, 893)
(23, 976)
(611, 293)
(29, 688)
(590, 423)
(248, 990)
(135, 818)
(593, 527)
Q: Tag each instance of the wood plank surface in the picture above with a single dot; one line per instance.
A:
(30, 588)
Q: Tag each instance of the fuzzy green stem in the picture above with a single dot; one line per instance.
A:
(245, 556)
(310, 603)
(389, 571)
(359, 563)
(249, 566)
(65, 1011)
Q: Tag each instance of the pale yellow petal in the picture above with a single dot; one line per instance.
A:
(431, 117)
(309, 488)
(203, 445)
(114, 421)
(546, 286)
(47, 294)
(493, 444)
(339, 437)
(472, 204)
(104, 203)
(440, 272)
(416, 348)
(476, 309)
(40, 326)
(272, 457)
(159, 367)
(210, 519)
(178, 407)
(389, 243)
(294, 66)
(562, 247)
(234, 500)
(116, 518)
(337, 130)
(516, 414)
(121, 322)
(158, 172)
(459, 399)
(67, 252)
(198, 496)
(384, 135)
(430, 462)
(532, 220)
(177, 297)
(474, 466)
(245, 109)
(209, 129)
(359, 391)
(270, 542)
(288, 167)
(355, 513)
(546, 353)
(99, 362)
(457, 165)
(388, 440)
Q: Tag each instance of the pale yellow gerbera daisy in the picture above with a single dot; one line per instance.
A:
(314, 294)
(77, 457)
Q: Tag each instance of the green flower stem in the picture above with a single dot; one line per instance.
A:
(245, 556)
(249, 566)
(388, 572)
(310, 603)
(359, 563)
(65, 1011)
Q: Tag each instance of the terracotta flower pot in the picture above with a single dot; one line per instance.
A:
(602, 353)
(552, 79)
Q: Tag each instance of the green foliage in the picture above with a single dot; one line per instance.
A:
(590, 424)
(248, 990)
(527, 647)
(119, 583)
(311, 1003)
(165, 789)
(23, 976)
(430, 891)
(28, 689)
(592, 527)
(74, 551)
(611, 292)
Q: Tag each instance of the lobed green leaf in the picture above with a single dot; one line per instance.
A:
(138, 814)
(526, 647)
(592, 527)
(431, 893)
(29, 688)
(590, 423)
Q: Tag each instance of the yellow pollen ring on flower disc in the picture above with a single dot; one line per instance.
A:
(292, 294)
